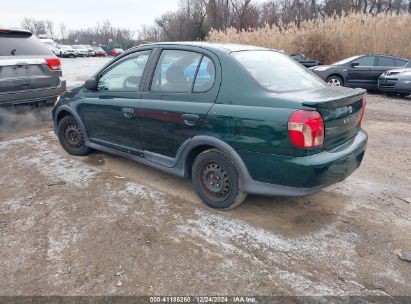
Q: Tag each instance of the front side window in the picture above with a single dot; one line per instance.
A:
(125, 75)
(277, 72)
(175, 71)
(366, 61)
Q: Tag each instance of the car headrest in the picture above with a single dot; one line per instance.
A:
(175, 74)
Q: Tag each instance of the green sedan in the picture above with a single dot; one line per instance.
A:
(236, 119)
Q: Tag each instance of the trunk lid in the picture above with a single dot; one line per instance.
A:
(341, 109)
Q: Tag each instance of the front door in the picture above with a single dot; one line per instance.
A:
(360, 76)
(109, 113)
(183, 88)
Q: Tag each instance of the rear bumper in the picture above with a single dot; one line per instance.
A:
(300, 176)
(31, 96)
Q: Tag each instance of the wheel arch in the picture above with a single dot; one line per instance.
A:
(65, 110)
(201, 143)
(337, 75)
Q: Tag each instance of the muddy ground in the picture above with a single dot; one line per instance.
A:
(102, 225)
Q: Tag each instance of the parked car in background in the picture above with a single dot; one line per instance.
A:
(90, 50)
(308, 63)
(99, 52)
(81, 51)
(67, 51)
(396, 82)
(359, 71)
(236, 119)
(117, 51)
(52, 45)
(29, 72)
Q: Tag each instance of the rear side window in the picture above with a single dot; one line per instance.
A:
(386, 61)
(400, 62)
(205, 75)
(21, 45)
(175, 71)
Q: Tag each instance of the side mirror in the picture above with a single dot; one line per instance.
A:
(354, 64)
(91, 84)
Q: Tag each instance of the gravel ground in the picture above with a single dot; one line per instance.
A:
(102, 225)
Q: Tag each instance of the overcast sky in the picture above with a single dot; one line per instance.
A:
(85, 13)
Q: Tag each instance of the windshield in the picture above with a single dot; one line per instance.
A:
(277, 72)
(77, 47)
(346, 60)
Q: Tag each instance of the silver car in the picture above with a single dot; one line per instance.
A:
(81, 51)
(29, 72)
(397, 81)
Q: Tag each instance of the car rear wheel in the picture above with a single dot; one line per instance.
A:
(216, 180)
(335, 81)
(71, 137)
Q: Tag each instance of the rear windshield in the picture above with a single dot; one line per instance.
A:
(19, 45)
(277, 72)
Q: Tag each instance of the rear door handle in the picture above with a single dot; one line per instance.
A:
(128, 112)
(191, 119)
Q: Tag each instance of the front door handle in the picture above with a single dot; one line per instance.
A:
(128, 112)
(191, 119)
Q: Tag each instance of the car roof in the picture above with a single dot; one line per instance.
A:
(386, 55)
(226, 47)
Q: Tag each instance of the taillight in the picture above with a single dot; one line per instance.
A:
(306, 129)
(364, 103)
(54, 64)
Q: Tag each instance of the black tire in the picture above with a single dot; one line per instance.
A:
(71, 137)
(216, 180)
(335, 80)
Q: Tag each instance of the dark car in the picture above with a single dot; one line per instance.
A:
(235, 119)
(359, 71)
(29, 71)
(308, 63)
(396, 82)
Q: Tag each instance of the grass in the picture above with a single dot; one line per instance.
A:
(333, 38)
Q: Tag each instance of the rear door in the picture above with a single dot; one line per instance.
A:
(183, 87)
(110, 112)
(361, 76)
(23, 64)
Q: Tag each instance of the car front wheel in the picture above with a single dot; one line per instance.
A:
(335, 81)
(71, 137)
(216, 180)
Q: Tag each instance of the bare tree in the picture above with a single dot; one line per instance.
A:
(63, 31)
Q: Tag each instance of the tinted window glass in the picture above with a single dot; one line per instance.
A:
(365, 61)
(126, 74)
(205, 76)
(386, 61)
(21, 45)
(175, 71)
(277, 72)
(400, 62)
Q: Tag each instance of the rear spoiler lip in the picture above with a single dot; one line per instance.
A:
(15, 31)
(336, 102)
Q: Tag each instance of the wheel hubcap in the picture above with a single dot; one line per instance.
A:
(215, 181)
(73, 136)
(334, 82)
